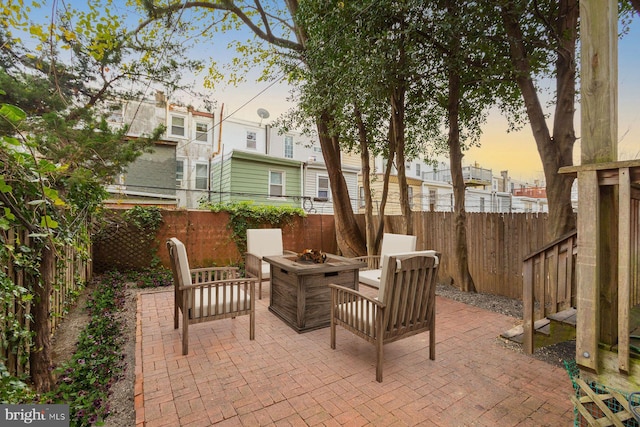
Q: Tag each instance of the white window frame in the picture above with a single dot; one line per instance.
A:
(418, 170)
(328, 189)
(282, 184)
(196, 177)
(288, 147)
(180, 174)
(172, 126)
(199, 133)
(252, 140)
(410, 195)
(361, 194)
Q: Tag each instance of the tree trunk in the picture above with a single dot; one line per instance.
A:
(40, 358)
(370, 229)
(348, 236)
(463, 279)
(555, 151)
(397, 126)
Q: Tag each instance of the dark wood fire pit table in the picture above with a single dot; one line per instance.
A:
(299, 292)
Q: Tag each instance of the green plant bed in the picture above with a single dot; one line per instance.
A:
(84, 381)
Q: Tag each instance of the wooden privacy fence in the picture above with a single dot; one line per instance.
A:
(72, 271)
(497, 245)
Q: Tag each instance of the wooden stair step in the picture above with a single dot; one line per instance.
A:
(567, 316)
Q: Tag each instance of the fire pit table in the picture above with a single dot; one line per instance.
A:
(299, 292)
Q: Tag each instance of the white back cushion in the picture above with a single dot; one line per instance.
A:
(396, 243)
(264, 241)
(183, 261)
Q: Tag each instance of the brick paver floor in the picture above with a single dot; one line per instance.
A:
(290, 379)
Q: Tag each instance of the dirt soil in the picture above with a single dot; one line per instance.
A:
(121, 399)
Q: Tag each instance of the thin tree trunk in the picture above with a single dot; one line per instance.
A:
(555, 151)
(397, 120)
(40, 359)
(370, 229)
(464, 280)
(349, 239)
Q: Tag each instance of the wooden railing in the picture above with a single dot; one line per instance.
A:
(549, 283)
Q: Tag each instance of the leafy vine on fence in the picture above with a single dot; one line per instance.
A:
(245, 215)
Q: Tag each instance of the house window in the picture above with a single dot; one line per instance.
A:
(201, 132)
(362, 201)
(116, 114)
(202, 172)
(288, 146)
(410, 195)
(481, 204)
(251, 140)
(323, 187)
(317, 149)
(276, 184)
(179, 173)
(418, 170)
(177, 126)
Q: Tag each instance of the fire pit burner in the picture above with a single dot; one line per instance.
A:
(312, 256)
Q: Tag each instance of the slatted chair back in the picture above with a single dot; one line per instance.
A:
(405, 305)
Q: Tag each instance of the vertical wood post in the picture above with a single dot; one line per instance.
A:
(588, 269)
(624, 269)
(597, 276)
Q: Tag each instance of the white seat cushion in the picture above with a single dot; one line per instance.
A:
(266, 270)
(233, 293)
(370, 277)
(353, 308)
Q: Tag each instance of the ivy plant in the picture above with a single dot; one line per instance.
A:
(244, 215)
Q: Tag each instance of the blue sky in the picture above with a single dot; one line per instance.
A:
(499, 150)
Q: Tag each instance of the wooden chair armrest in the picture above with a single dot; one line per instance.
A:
(223, 282)
(373, 261)
(288, 252)
(352, 295)
(253, 265)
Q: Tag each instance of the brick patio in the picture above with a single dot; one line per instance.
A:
(286, 378)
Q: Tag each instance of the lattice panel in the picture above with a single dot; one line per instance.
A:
(598, 405)
(122, 247)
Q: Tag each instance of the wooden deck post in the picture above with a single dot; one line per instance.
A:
(597, 217)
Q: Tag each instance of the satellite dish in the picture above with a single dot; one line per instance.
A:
(264, 114)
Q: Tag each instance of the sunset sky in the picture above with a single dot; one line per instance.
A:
(515, 152)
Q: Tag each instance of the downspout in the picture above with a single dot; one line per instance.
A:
(215, 153)
(302, 174)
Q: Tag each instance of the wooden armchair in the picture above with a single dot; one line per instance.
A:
(262, 242)
(405, 306)
(391, 244)
(204, 294)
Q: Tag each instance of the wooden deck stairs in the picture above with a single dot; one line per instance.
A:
(553, 329)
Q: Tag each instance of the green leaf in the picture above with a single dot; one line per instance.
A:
(4, 187)
(12, 113)
(48, 222)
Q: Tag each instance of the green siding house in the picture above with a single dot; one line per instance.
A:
(241, 176)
